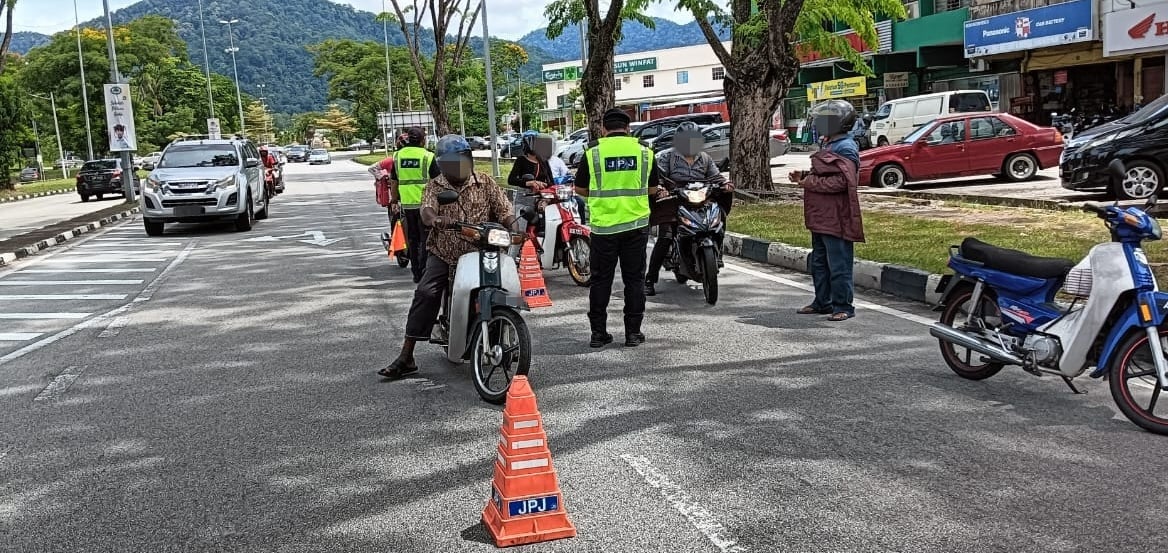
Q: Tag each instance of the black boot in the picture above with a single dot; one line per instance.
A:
(634, 339)
(650, 289)
(600, 339)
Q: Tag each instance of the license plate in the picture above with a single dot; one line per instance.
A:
(188, 210)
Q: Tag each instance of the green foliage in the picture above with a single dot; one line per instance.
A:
(14, 119)
(562, 14)
(355, 72)
(859, 15)
(338, 125)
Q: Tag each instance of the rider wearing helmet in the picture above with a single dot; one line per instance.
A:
(412, 167)
(831, 209)
(480, 200)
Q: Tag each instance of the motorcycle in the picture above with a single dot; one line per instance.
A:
(695, 251)
(571, 241)
(482, 322)
(1065, 122)
(402, 256)
(999, 309)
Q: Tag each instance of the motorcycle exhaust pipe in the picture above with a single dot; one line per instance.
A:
(993, 351)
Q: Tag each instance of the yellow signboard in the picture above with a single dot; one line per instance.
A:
(839, 88)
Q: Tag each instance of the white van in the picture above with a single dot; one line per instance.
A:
(897, 118)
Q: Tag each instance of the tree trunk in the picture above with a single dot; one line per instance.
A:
(7, 34)
(750, 109)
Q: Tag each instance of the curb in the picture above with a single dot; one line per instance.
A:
(8, 258)
(37, 195)
(896, 280)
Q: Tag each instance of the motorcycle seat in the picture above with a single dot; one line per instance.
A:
(1014, 261)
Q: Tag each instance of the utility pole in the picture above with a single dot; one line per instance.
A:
(57, 128)
(387, 130)
(206, 62)
(84, 91)
(519, 98)
(40, 157)
(490, 95)
(116, 78)
(235, 68)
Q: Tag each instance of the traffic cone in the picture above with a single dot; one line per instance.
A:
(531, 278)
(399, 239)
(526, 505)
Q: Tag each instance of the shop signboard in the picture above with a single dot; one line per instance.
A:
(562, 74)
(839, 88)
(1136, 30)
(896, 80)
(1065, 23)
(634, 66)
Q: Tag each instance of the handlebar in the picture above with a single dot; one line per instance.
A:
(1091, 207)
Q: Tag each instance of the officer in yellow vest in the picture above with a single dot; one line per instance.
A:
(413, 167)
(618, 177)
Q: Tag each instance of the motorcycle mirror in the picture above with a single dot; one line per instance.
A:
(447, 197)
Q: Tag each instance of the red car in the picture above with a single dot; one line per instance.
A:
(964, 145)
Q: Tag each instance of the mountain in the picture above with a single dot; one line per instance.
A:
(637, 38)
(23, 42)
(273, 36)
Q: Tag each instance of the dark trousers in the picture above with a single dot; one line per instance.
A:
(628, 249)
(831, 273)
(428, 299)
(660, 251)
(416, 234)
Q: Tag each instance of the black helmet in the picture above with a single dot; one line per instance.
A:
(833, 117)
(416, 136)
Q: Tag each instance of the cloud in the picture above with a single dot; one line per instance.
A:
(50, 16)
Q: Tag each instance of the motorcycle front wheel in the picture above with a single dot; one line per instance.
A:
(1133, 383)
(509, 354)
(965, 362)
(709, 265)
(579, 260)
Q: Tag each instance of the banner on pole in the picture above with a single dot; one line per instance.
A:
(119, 118)
(213, 129)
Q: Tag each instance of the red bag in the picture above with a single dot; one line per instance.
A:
(382, 189)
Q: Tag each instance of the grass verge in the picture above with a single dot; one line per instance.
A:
(37, 187)
(918, 235)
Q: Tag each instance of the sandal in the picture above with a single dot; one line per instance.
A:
(398, 369)
(840, 316)
(811, 310)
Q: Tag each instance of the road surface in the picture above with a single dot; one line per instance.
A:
(24, 216)
(216, 391)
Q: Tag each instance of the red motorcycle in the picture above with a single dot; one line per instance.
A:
(553, 225)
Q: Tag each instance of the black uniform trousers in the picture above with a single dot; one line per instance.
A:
(628, 249)
(416, 234)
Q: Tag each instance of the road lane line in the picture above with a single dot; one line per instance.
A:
(45, 316)
(69, 282)
(115, 327)
(697, 515)
(18, 336)
(67, 270)
(167, 253)
(859, 303)
(87, 297)
(105, 260)
(143, 296)
(60, 384)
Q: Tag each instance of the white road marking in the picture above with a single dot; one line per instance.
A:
(142, 296)
(59, 384)
(131, 242)
(18, 336)
(45, 316)
(62, 297)
(115, 327)
(119, 253)
(697, 515)
(68, 270)
(105, 260)
(69, 282)
(859, 303)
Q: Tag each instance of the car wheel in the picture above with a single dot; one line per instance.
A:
(1141, 180)
(882, 141)
(245, 220)
(99, 197)
(1020, 167)
(85, 197)
(153, 228)
(890, 176)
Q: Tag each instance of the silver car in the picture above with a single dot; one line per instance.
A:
(205, 180)
(717, 144)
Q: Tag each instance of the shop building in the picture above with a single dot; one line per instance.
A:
(1137, 35)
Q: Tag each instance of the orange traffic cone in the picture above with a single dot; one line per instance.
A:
(531, 278)
(398, 244)
(526, 505)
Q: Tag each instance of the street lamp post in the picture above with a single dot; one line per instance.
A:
(84, 91)
(490, 95)
(116, 78)
(40, 157)
(386, 131)
(235, 69)
(207, 63)
(60, 147)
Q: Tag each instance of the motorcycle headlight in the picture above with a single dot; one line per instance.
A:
(564, 193)
(695, 196)
(227, 182)
(499, 238)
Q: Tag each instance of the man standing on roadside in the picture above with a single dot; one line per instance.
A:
(413, 167)
(617, 176)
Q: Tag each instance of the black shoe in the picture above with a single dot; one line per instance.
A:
(600, 339)
(650, 289)
(634, 339)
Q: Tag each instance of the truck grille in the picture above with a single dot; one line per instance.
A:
(187, 187)
(191, 201)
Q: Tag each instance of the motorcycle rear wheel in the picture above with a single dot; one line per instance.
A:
(709, 261)
(509, 356)
(579, 256)
(954, 315)
(1133, 361)
(403, 260)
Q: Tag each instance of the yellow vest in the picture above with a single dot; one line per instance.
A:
(412, 165)
(618, 188)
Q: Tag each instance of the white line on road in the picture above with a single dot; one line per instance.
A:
(46, 316)
(59, 384)
(105, 260)
(115, 327)
(166, 253)
(859, 303)
(17, 297)
(69, 282)
(68, 270)
(18, 336)
(697, 515)
(143, 296)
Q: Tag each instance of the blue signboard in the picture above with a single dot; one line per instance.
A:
(1064, 23)
(533, 506)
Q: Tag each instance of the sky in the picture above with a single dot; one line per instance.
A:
(50, 16)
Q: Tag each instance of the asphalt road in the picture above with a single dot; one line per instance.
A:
(28, 215)
(217, 393)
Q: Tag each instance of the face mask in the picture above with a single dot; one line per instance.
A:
(688, 143)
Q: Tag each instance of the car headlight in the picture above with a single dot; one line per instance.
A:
(499, 238)
(227, 182)
(153, 183)
(695, 196)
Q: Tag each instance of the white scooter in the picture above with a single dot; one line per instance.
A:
(483, 324)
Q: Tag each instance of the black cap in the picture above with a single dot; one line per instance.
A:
(416, 136)
(616, 114)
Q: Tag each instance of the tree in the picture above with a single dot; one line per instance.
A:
(14, 118)
(259, 121)
(763, 61)
(603, 35)
(7, 42)
(338, 123)
(442, 14)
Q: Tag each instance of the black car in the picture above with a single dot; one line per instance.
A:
(298, 153)
(513, 148)
(1139, 140)
(100, 177)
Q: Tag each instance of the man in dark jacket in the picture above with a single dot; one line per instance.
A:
(831, 210)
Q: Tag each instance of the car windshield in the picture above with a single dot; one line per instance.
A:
(199, 156)
(1149, 111)
(100, 165)
(297, 149)
(917, 134)
(319, 152)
